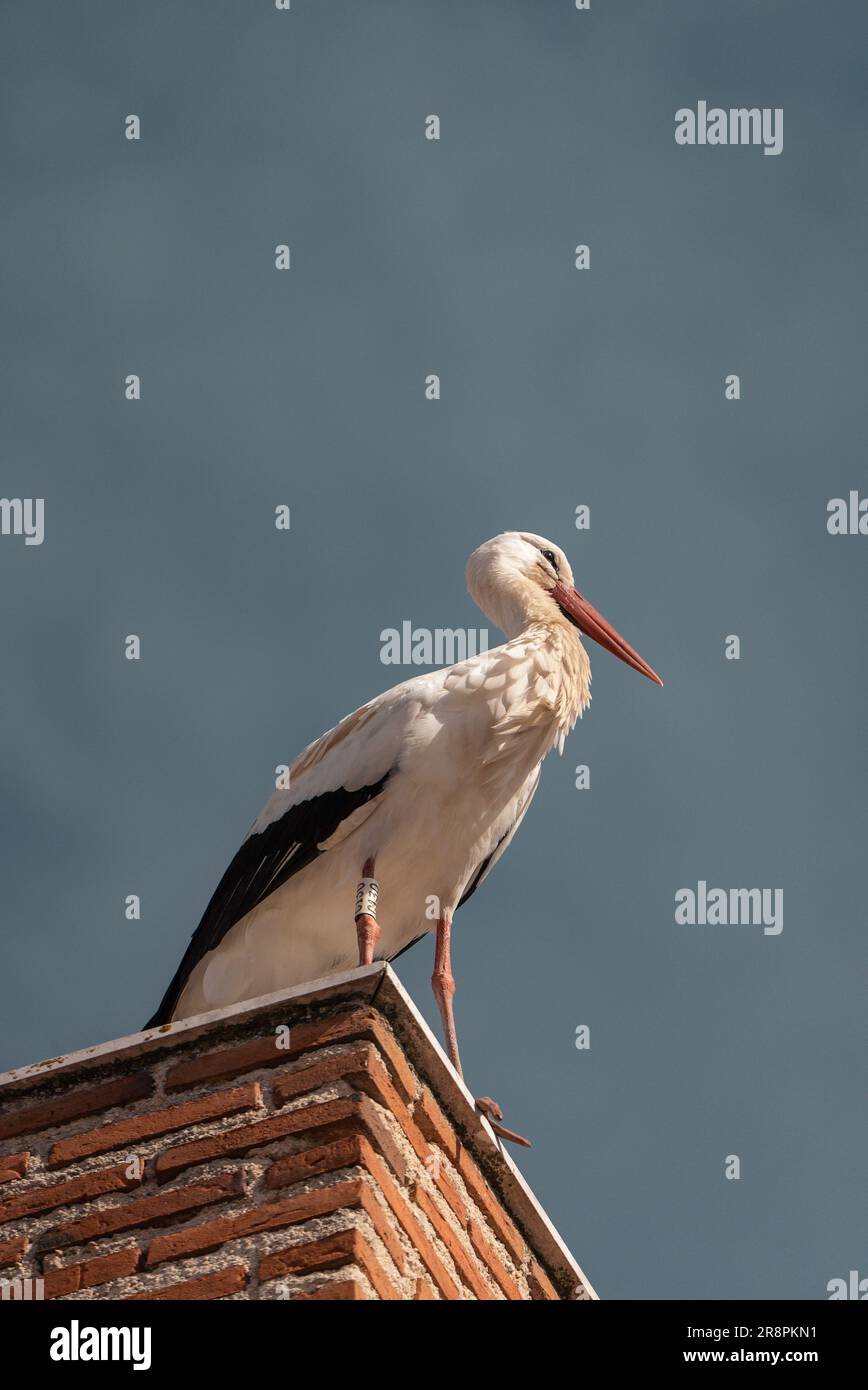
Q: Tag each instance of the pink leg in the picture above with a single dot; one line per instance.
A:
(443, 985)
(367, 926)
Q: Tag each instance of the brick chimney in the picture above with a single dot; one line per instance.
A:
(312, 1144)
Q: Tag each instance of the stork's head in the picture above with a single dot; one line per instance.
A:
(518, 578)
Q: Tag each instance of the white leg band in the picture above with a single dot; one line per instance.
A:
(367, 895)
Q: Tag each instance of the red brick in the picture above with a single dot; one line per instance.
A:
(540, 1285)
(460, 1257)
(377, 1215)
(486, 1252)
(309, 1257)
(332, 1251)
(417, 1237)
(263, 1052)
(324, 1158)
(335, 1290)
(381, 1221)
(447, 1189)
(157, 1210)
(422, 1146)
(332, 1119)
(375, 1083)
(75, 1105)
(142, 1127)
(449, 1193)
(355, 1151)
(361, 1067)
(434, 1125)
(218, 1284)
(371, 1025)
(320, 1072)
(370, 1265)
(65, 1194)
(352, 1152)
(210, 1235)
(381, 1224)
(11, 1251)
(13, 1166)
(60, 1282)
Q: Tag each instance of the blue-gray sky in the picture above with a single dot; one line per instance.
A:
(602, 387)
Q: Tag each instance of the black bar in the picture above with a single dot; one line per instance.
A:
(189, 1340)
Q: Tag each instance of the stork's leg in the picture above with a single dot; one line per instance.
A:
(443, 985)
(367, 926)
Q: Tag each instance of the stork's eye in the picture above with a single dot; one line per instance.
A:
(547, 555)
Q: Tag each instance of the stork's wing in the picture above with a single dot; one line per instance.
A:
(503, 844)
(333, 787)
(483, 869)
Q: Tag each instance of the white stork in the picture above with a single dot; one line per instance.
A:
(419, 793)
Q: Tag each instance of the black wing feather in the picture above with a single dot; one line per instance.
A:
(264, 862)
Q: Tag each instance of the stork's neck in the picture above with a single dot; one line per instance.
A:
(515, 609)
(558, 669)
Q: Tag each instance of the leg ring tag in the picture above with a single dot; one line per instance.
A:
(367, 896)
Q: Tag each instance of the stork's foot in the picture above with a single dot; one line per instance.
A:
(493, 1113)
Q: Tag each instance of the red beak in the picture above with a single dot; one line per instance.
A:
(593, 624)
